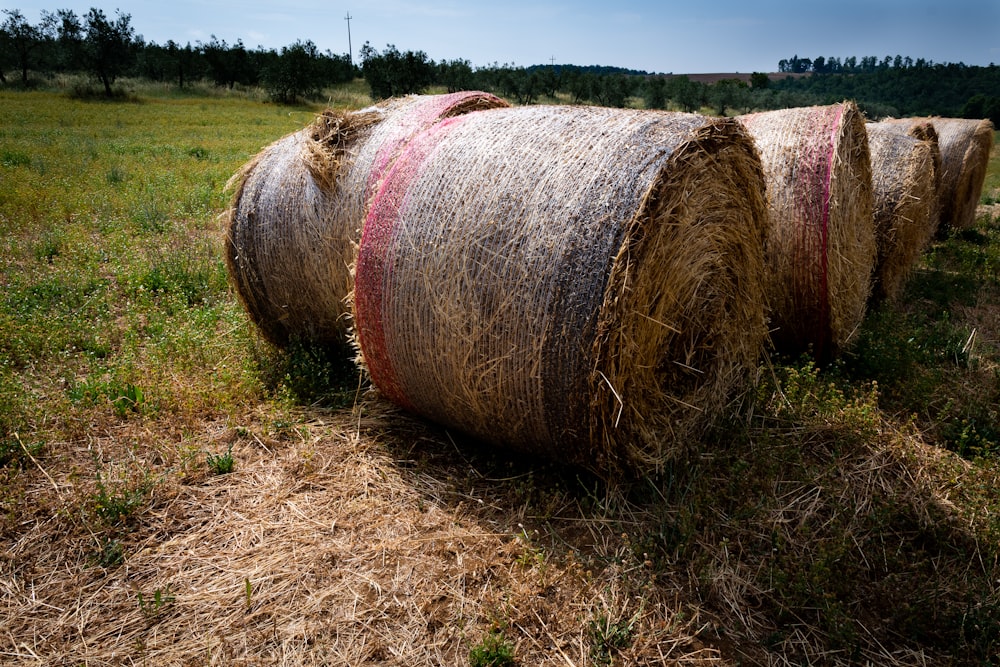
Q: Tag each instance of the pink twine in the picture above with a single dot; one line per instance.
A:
(374, 272)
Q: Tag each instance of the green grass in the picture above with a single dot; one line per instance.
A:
(114, 286)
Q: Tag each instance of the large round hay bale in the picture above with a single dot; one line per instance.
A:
(579, 283)
(299, 205)
(821, 244)
(904, 182)
(965, 155)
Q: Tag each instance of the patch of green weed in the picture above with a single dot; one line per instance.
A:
(221, 464)
(493, 651)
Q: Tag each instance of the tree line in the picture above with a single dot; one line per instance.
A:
(899, 85)
(108, 48)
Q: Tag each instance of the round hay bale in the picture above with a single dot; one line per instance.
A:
(578, 283)
(299, 205)
(965, 155)
(821, 244)
(904, 184)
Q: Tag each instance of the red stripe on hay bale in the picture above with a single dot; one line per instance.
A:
(421, 112)
(579, 283)
(821, 243)
(299, 206)
(905, 183)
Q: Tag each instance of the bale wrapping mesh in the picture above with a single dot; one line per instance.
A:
(821, 243)
(578, 283)
(299, 205)
(904, 183)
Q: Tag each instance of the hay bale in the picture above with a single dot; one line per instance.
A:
(299, 205)
(904, 184)
(965, 155)
(578, 283)
(821, 243)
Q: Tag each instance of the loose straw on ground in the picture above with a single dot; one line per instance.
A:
(821, 244)
(904, 180)
(578, 283)
(299, 206)
(965, 155)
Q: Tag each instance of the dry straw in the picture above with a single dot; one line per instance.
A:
(904, 180)
(299, 206)
(821, 244)
(965, 154)
(579, 283)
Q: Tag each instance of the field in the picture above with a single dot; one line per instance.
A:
(174, 491)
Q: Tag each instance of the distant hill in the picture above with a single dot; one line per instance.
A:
(742, 76)
(706, 78)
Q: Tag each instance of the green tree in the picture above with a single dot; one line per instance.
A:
(391, 73)
(69, 40)
(184, 61)
(230, 65)
(655, 93)
(109, 46)
(579, 84)
(613, 90)
(759, 81)
(456, 75)
(687, 94)
(22, 40)
(728, 94)
(295, 74)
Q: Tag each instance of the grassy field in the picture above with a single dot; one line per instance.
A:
(173, 491)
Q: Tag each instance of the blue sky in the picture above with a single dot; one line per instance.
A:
(689, 37)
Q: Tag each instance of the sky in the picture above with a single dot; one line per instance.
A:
(655, 36)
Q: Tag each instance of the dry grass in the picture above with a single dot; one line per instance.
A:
(579, 283)
(365, 537)
(339, 542)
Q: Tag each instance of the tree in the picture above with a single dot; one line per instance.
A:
(728, 94)
(295, 74)
(230, 65)
(109, 47)
(687, 94)
(456, 75)
(655, 93)
(579, 84)
(183, 61)
(759, 81)
(392, 73)
(613, 90)
(69, 40)
(22, 40)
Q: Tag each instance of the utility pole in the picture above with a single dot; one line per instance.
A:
(350, 49)
(552, 61)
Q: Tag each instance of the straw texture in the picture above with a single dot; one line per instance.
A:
(821, 244)
(965, 154)
(579, 283)
(299, 206)
(904, 180)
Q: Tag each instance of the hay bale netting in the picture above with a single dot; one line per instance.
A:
(299, 205)
(965, 155)
(578, 283)
(904, 182)
(821, 243)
